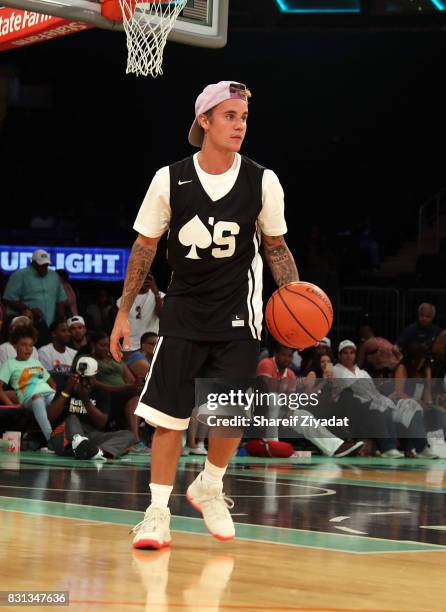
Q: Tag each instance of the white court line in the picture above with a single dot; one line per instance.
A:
(339, 519)
(290, 484)
(327, 491)
(436, 527)
(391, 512)
(354, 531)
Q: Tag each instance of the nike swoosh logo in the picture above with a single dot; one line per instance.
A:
(183, 182)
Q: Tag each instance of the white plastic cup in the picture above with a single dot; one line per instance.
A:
(13, 439)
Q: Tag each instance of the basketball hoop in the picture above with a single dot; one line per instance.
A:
(147, 25)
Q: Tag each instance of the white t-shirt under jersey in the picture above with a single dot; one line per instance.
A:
(154, 215)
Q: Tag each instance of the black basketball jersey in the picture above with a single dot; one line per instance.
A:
(215, 291)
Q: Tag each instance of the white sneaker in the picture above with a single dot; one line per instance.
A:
(198, 450)
(99, 456)
(439, 448)
(392, 453)
(427, 453)
(214, 506)
(153, 531)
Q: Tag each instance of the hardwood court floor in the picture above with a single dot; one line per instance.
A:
(320, 535)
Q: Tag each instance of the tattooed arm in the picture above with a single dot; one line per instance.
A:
(140, 260)
(280, 261)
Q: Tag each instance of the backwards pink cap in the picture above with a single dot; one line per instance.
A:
(211, 96)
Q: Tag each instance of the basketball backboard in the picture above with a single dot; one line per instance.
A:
(202, 23)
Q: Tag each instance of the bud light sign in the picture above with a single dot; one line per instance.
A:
(81, 263)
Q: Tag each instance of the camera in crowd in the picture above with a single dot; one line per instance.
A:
(82, 369)
(86, 367)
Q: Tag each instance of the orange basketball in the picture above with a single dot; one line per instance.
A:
(299, 314)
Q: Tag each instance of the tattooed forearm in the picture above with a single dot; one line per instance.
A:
(138, 266)
(280, 260)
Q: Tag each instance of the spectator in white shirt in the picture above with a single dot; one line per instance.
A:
(144, 314)
(376, 412)
(57, 356)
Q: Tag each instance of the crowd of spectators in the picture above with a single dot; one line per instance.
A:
(58, 382)
(393, 394)
(60, 386)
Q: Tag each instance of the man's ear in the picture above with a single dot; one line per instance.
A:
(203, 121)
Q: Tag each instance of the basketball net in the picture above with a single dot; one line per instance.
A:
(147, 25)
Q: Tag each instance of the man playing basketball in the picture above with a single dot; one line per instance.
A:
(216, 205)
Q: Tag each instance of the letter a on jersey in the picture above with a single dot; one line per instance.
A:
(195, 234)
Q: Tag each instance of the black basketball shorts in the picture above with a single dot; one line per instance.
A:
(168, 397)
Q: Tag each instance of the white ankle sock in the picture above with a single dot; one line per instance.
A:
(212, 474)
(160, 495)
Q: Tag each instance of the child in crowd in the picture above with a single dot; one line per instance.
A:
(29, 379)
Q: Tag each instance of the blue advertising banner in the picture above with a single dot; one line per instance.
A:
(81, 263)
(367, 7)
(319, 6)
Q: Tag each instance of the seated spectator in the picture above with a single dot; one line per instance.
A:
(70, 293)
(376, 355)
(29, 379)
(319, 380)
(275, 377)
(423, 331)
(78, 333)
(7, 349)
(322, 348)
(320, 375)
(99, 312)
(144, 314)
(139, 361)
(57, 356)
(413, 390)
(119, 381)
(80, 416)
(374, 412)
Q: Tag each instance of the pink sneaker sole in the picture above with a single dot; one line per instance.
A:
(150, 545)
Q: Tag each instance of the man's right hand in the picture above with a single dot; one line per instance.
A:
(71, 383)
(121, 329)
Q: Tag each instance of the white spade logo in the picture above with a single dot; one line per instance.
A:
(195, 234)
